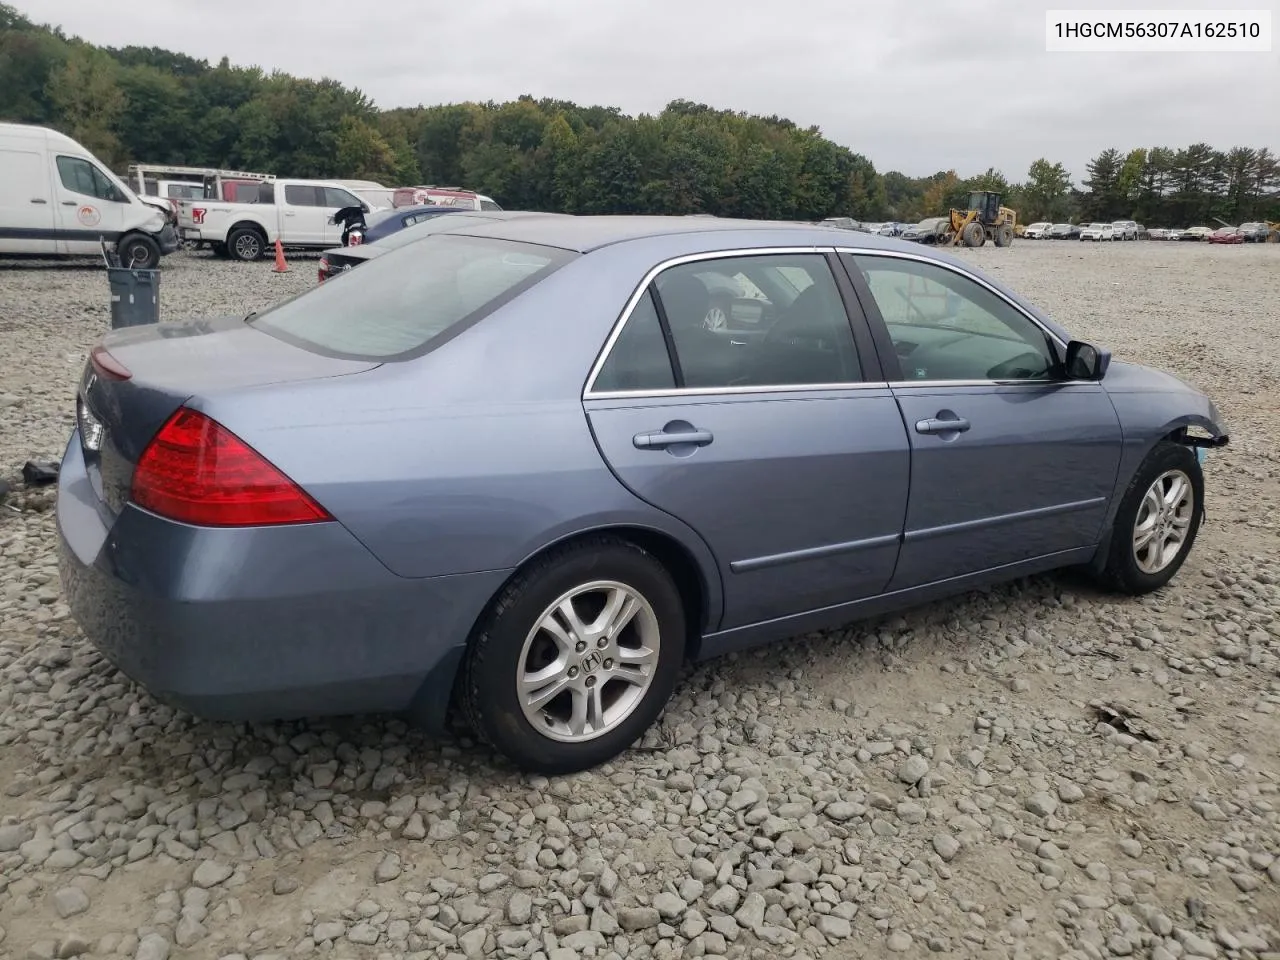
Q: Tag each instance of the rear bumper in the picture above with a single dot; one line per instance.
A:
(261, 623)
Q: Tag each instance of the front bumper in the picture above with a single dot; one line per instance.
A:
(259, 623)
(167, 238)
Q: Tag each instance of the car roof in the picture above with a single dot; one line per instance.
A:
(583, 234)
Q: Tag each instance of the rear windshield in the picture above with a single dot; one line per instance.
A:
(406, 302)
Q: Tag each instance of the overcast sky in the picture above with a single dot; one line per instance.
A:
(915, 85)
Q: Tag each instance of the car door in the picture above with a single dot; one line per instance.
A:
(1008, 461)
(334, 200)
(304, 218)
(26, 202)
(89, 206)
(786, 454)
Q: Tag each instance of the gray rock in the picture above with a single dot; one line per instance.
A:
(70, 901)
(329, 930)
(210, 873)
(152, 947)
(913, 769)
(1042, 804)
(946, 846)
(520, 908)
(473, 942)
(835, 927)
(13, 836)
(388, 868)
(899, 941)
(365, 934)
(632, 919)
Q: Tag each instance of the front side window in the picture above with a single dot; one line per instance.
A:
(411, 298)
(333, 197)
(945, 326)
(81, 176)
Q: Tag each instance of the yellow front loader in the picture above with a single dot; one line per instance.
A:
(985, 220)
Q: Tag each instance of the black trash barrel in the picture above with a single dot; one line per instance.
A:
(135, 296)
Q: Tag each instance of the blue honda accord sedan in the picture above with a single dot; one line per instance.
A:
(526, 468)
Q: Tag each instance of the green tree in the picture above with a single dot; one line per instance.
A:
(1046, 192)
(87, 100)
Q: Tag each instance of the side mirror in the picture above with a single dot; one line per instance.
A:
(1085, 361)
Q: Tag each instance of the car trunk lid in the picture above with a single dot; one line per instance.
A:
(136, 378)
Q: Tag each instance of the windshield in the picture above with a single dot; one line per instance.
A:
(406, 302)
(1099, 226)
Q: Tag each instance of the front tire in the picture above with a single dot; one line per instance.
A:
(576, 657)
(139, 252)
(1156, 525)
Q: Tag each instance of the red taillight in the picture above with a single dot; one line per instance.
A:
(197, 215)
(107, 366)
(197, 471)
(323, 268)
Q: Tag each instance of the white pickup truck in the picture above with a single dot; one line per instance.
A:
(296, 212)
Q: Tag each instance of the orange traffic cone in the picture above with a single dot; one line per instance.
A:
(281, 266)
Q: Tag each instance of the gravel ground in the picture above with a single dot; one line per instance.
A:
(1039, 770)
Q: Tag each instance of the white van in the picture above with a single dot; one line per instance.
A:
(59, 200)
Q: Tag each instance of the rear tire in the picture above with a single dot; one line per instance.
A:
(1136, 566)
(246, 244)
(554, 699)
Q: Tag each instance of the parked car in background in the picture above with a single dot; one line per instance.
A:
(1124, 230)
(1254, 232)
(505, 468)
(842, 223)
(1098, 231)
(890, 229)
(444, 196)
(1195, 233)
(1157, 233)
(384, 223)
(1142, 232)
(1037, 230)
(58, 200)
(296, 212)
(1226, 235)
(929, 230)
(1063, 231)
(339, 260)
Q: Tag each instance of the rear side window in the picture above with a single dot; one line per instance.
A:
(639, 359)
(410, 300)
(303, 196)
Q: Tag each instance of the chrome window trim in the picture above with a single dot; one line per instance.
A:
(958, 271)
(735, 391)
(589, 393)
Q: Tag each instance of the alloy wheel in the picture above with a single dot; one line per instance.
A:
(1163, 521)
(588, 661)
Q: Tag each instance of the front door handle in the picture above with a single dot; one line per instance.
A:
(661, 439)
(935, 425)
(69, 203)
(39, 200)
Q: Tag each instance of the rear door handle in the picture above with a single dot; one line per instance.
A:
(39, 200)
(934, 425)
(661, 439)
(69, 203)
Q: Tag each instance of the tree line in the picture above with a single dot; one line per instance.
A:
(157, 106)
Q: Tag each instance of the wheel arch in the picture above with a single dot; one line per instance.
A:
(699, 588)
